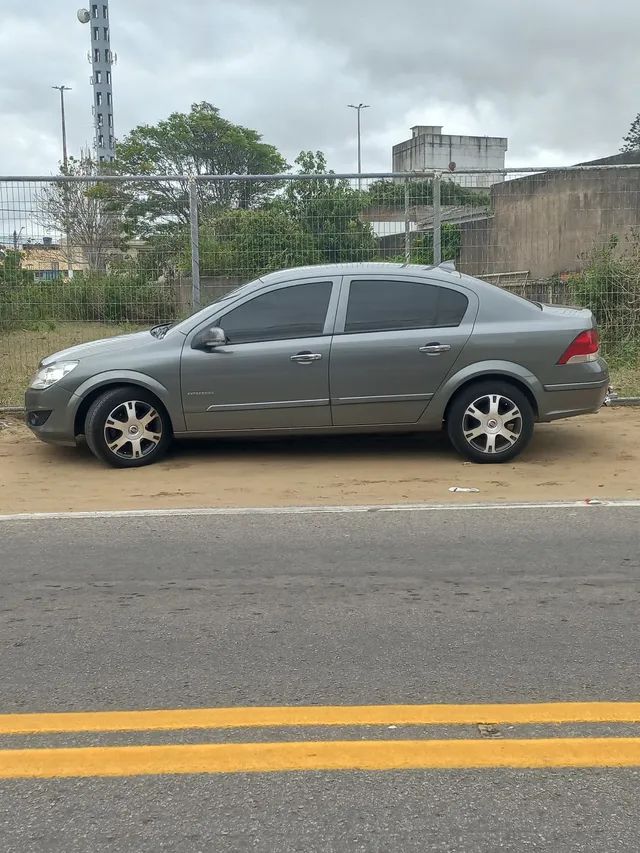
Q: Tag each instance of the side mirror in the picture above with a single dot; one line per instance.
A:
(210, 338)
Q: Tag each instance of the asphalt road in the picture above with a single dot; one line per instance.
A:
(376, 608)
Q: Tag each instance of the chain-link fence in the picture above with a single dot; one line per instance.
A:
(86, 257)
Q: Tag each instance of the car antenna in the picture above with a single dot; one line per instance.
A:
(450, 266)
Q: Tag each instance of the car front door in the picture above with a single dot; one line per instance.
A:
(395, 341)
(272, 371)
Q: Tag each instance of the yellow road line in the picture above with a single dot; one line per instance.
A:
(323, 755)
(338, 715)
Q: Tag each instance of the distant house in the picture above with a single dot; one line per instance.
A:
(48, 261)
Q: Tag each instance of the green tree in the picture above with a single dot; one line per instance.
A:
(11, 272)
(329, 210)
(632, 139)
(391, 194)
(248, 243)
(450, 241)
(200, 142)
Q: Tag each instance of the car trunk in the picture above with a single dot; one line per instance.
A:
(583, 317)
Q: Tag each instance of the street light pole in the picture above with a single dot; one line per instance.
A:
(65, 159)
(65, 171)
(16, 238)
(358, 108)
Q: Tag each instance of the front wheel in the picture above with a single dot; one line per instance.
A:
(490, 422)
(127, 428)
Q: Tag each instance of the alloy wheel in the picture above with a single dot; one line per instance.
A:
(492, 424)
(133, 429)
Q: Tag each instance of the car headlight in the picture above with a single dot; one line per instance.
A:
(47, 376)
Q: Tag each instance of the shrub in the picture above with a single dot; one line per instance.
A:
(610, 286)
(249, 243)
(392, 194)
(90, 298)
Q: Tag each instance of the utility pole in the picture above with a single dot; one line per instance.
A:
(65, 171)
(65, 158)
(359, 108)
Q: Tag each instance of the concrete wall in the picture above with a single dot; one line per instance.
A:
(546, 223)
(434, 150)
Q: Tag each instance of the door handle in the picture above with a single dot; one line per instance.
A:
(434, 349)
(305, 357)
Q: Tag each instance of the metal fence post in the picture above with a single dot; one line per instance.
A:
(437, 219)
(407, 225)
(195, 244)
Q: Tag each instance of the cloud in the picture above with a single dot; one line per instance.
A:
(559, 79)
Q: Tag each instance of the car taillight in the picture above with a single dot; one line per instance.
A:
(586, 347)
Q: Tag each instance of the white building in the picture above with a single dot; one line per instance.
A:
(429, 148)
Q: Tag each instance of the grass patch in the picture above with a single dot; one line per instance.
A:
(91, 298)
(20, 352)
(626, 380)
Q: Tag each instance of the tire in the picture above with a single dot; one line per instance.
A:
(476, 422)
(127, 428)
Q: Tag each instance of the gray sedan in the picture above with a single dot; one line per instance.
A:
(339, 348)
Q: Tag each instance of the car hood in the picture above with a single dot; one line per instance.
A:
(101, 347)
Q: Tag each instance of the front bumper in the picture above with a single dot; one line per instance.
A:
(58, 426)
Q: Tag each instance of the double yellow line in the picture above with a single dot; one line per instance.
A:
(327, 755)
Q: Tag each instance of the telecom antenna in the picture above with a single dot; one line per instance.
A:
(102, 59)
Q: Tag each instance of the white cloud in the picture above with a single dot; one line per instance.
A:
(559, 80)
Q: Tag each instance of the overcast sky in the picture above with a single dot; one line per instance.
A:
(561, 79)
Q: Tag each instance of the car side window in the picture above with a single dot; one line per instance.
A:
(384, 306)
(298, 311)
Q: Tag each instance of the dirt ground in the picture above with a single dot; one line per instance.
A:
(597, 456)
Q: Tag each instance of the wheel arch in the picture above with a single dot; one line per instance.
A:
(505, 371)
(509, 379)
(91, 390)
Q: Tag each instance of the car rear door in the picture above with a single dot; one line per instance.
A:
(395, 341)
(273, 372)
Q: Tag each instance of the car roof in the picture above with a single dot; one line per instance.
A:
(490, 294)
(444, 272)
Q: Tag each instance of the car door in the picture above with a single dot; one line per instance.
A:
(273, 371)
(395, 341)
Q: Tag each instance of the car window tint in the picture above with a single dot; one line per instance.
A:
(290, 312)
(452, 306)
(382, 306)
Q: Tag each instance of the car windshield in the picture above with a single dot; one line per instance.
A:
(192, 320)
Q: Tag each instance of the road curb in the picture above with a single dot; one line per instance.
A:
(587, 503)
(623, 401)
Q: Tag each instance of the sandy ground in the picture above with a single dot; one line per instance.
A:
(597, 456)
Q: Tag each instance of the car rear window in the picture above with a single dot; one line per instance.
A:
(519, 296)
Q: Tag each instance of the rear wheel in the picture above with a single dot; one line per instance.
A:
(490, 422)
(127, 428)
